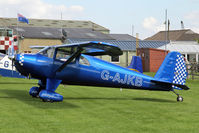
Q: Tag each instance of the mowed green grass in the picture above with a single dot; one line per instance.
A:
(97, 110)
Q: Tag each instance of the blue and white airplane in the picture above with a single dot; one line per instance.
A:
(74, 64)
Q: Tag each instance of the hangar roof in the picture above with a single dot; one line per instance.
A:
(55, 33)
(126, 45)
(5, 22)
(176, 35)
(122, 37)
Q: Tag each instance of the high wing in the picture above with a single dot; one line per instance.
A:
(93, 48)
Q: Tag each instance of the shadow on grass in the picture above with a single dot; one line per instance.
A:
(23, 96)
(105, 98)
(154, 100)
(16, 83)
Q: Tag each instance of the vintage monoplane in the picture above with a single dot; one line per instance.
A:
(74, 64)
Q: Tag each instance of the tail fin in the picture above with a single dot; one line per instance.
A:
(172, 70)
(136, 64)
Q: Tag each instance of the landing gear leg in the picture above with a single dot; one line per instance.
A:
(179, 98)
(48, 94)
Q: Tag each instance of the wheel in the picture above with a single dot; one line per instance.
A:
(179, 99)
(34, 91)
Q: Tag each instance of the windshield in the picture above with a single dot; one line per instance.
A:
(48, 52)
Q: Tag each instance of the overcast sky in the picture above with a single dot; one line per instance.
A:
(146, 16)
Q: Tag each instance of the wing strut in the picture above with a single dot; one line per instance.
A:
(74, 55)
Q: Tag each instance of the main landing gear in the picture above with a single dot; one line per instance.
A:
(179, 98)
(34, 91)
(46, 91)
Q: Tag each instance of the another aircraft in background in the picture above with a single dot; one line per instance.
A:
(7, 69)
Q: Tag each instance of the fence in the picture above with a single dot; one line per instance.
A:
(193, 71)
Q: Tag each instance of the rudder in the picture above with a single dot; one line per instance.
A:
(172, 70)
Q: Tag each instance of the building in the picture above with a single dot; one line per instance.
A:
(122, 37)
(152, 58)
(46, 36)
(50, 23)
(190, 49)
(175, 35)
(184, 41)
(47, 32)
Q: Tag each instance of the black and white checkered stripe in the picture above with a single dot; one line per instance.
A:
(180, 71)
(21, 57)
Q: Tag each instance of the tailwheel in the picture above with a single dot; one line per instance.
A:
(179, 98)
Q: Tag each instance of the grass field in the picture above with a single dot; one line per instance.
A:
(97, 110)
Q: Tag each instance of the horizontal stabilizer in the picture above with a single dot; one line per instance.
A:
(184, 87)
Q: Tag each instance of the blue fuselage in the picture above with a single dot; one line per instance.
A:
(95, 72)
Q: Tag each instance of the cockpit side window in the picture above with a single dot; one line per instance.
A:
(83, 61)
(64, 53)
(62, 56)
